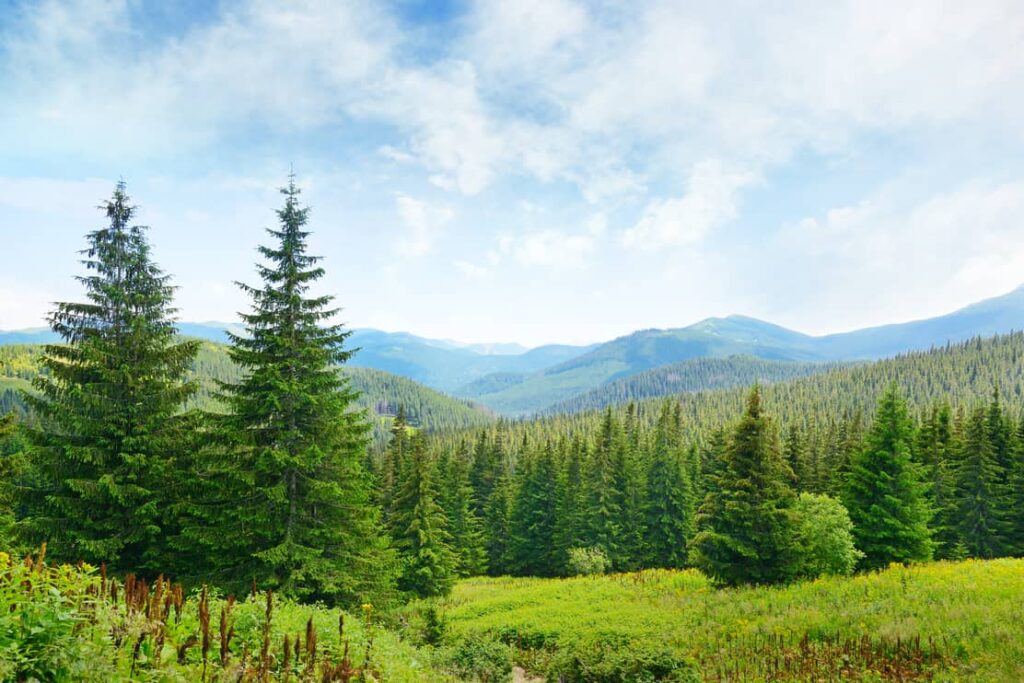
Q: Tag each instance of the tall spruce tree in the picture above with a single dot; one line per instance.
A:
(1016, 495)
(630, 481)
(669, 504)
(604, 496)
(934, 450)
(393, 459)
(747, 535)
(532, 520)
(291, 502)
(884, 492)
(106, 431)
(570, 520)
(981, 493)
(419, 528)
(464, 526)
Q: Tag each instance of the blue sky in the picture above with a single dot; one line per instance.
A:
(531, 170)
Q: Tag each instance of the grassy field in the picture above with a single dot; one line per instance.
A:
(941, 621)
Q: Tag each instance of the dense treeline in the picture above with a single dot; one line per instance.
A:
(632, 485)
(697, 374)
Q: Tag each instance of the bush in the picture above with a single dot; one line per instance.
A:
(587, 561)
(479, 657)
(634, 662)
(38, 620)
(824, 537)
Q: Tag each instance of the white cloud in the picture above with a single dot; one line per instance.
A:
(549, 249)
(556, 89)
(711, 199)
(882, 260)
(471, 271)
(423, 222)
(518, 33)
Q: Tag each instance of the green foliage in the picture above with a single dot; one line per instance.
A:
(282, 492)
(689, 376)
(746, 521)
(105, 434)
(73, 624)
(982, 499)
(479, 657)
(824, 537)
(632, 662)
(533, 517)
(464, 525)
(884, 492)
(834, 628)
(420, 529)
(587, 562)
(38, 624)
(669, 504)
(379, 392)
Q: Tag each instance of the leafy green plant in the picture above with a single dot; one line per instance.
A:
(479, 657)
(587, 561)
(824, 537)
(632, 662)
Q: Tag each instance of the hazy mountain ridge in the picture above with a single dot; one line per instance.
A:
(738, 335)
(516, 382)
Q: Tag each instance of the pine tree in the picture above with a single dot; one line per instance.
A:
(497, 525)
(532, 519)
(1016, 494)
(982, 498)
(797, 458)
(106, 431)
(419, 528)
(934, 451)
(393, 459)
(11, 470)
(290, 503)
(630, 480)
(464, 527)
(884, 493)
(603, 496)
(570, 520)
(748, 532)
(669, 507)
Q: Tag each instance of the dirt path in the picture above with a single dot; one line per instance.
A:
(519, 675)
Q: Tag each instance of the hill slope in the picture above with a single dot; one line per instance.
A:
(735, 335)
(698, 374)
(516, 382)
(965, 374)
(380, 391)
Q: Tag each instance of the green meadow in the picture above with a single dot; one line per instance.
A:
(942, 621)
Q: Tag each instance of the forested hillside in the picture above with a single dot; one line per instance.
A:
(699, 374)
(630, 367)
(380, 391)
(594, 479)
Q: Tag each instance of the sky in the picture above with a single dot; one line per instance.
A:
(527, 171)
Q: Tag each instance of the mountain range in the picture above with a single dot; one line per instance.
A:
(513, 380)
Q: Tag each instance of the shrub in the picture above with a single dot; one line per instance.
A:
(634, 662)
(824, 537)
(479, 657)
(38, 619)
(587, 561)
